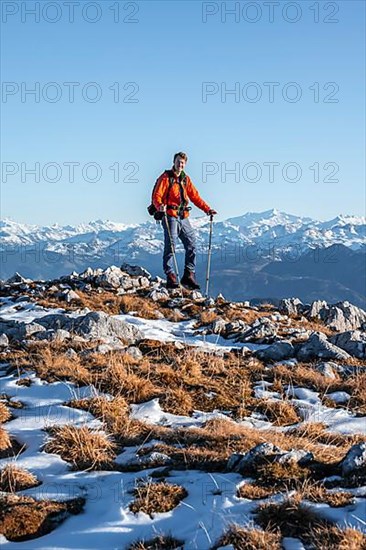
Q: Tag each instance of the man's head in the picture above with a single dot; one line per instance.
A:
(179, 161)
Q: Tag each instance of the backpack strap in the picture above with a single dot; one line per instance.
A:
(183, 196)
(182, 181)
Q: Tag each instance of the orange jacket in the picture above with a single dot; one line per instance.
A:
(160, 193)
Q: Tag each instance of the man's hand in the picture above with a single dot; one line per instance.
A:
(211, 212)
(162, 208)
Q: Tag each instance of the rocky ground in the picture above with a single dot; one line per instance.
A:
(133, 417)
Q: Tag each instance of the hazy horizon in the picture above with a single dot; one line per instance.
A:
(268, 106)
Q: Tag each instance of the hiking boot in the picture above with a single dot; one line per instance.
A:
(189, 281)
(171, 280)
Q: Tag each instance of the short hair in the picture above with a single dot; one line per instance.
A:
(181, 154)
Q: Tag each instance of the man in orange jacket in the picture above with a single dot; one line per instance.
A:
(171, 194)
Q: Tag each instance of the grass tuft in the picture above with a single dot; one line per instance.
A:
(154, 498)
(5, 414)
(14, 479)
(249, 539)
(23, 518)
(84, 448)
(291, 517)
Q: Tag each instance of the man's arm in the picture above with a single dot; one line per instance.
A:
(195, 197)
(159, 191)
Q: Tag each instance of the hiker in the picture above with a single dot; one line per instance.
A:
(170, 196)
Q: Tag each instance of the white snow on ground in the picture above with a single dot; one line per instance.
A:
(156, 329)
(183, 332)
(27, 312)
(151, 413)
(106, 522)
(311, 409)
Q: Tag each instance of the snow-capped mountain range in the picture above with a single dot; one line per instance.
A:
(268, 254)
(262, 229)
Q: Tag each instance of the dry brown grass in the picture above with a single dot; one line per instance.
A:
(9, 447)
(119, 379)
(174, 315)
(176, 401)
(153, 498)
(210, 446)
(291, 517)
(249, 539)
(193, 457)
(158, 543)
(5, 442)
(355, 385)
(144, 307)
(280, 475)
(333, 537)
(248, 315)
(112, 412)
(281, 413)
(14, 479)
(107, 301)
(5, 414)
(305, 376)
(51, 365)
(316, 492)
(104, 301)
(23, 518)
(206, 318)
(17, 358)
(273, 478)
(316, 432)
(312, 324)
(83, 448)
(255, 492)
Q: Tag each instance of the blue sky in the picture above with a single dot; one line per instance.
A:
(168, 53)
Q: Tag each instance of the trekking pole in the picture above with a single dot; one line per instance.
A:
(209, 257)
(173, 251)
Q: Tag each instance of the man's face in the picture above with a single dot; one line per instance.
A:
(179, 164)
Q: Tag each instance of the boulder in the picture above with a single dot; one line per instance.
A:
(263, 453)
(317, 346)
(316, 307)
(290, 306)
(135, 271)
(99, 325)
(262, 331)
(4, 341)
(355, 460)
(276, 352)
(327, 369)
(248, 462)
(112, 278)
(52, 335)
(17, 279)
(56, 320)
(19, 330)
(351, 341)
(343, 316)
(218, 326)
(235, 328)
(134, 352)
(161, 294)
